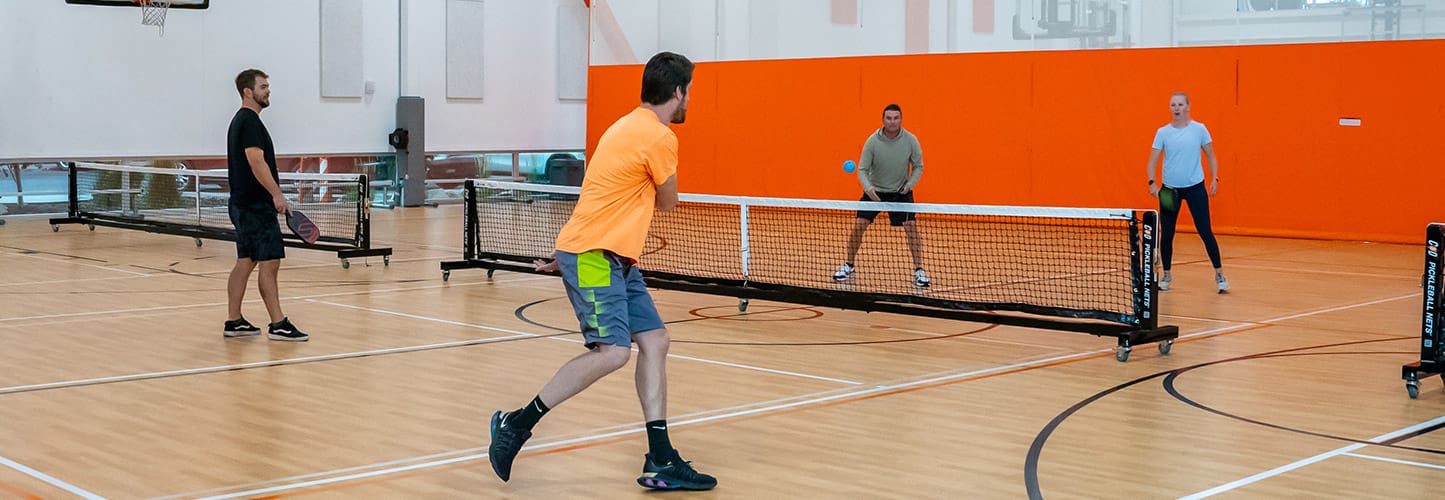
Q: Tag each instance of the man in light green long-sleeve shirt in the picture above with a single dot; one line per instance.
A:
(884, 172)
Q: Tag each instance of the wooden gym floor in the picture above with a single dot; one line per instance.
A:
(115, 382)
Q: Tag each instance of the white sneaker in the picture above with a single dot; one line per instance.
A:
(1164, 282)
(844, 272)
(1223, 283)
(920, 279)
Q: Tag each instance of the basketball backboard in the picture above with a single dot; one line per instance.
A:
(153, 12)
(175, 4)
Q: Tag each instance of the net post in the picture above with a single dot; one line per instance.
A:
(743, 237)
(469, 218)
(74, 200)
(1145, 280)
(1430, 348)
(197, 185)
(363, 216)
(1432, 356)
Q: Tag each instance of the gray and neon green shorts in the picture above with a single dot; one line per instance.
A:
(608, 296)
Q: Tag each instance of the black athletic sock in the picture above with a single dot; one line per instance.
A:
(526, 417)
(657, 443)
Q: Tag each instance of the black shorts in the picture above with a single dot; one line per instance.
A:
(258, 232)
(895, 218)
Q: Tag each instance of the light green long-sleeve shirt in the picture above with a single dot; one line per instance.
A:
(884, 164)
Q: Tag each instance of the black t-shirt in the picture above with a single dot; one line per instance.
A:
(247, 131)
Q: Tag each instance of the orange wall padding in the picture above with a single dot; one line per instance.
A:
(1073, 128)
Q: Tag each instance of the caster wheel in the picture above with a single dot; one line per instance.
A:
(446, 275)
(1165, 346)
(345, 264)
(743, 305)
(490, 272)
(92, 227)
(1122, 353)
(1413, 388)
(54, 228)
(386, 260)
(198, 242)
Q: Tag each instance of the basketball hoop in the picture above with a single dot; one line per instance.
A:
(153, 13)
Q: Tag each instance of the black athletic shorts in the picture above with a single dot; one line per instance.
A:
(896, 218)
(258, 232)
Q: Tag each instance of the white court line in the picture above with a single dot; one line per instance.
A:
(465, 451)
(602, 436)
(1306, 461)
(337, 263)
(253, 301)
(1192, 318)
(1402, 275)
(1397, 461)
(253, 364)
(78, 280)
(1293, 316)
(575, 341)
(329, 357)
(1340, 308)
(73, 262)
(50, 480)
(724, 413)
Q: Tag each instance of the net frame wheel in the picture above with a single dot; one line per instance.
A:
(198, 242)
(490, 272)
(92, 226)
(345, 263)
(54, 228)
(1121, 353)
(1412, 385)
(446, 275)
(386, 260)
(2, 222)
(742, 305)
(1166, 346)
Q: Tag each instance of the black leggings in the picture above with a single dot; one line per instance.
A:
(1197, 197)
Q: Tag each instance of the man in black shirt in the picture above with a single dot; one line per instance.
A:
(256, 201)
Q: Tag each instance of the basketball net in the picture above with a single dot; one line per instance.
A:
(153, 13)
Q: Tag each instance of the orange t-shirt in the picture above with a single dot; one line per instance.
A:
(619, 190)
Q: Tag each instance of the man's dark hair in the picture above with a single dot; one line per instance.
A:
(247, 80)
(665, 73)
(893, 107)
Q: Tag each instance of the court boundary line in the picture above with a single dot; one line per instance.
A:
(834, 396)
(69, 262)
(51, 480)
(575, 341)
(257, 300)
(1396, 461)
(511, 334)
(1309, 460)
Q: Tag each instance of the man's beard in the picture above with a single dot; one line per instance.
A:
(680, 115)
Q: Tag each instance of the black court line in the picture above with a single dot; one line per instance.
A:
(29, 251)
(1173, 391)
(1031, 463)
(521, 314)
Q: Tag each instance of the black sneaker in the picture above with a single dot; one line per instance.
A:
(506, 442)
(675, 474)
(284, 330)
(240, 328)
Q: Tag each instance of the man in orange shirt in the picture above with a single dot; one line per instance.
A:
(632, 173)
